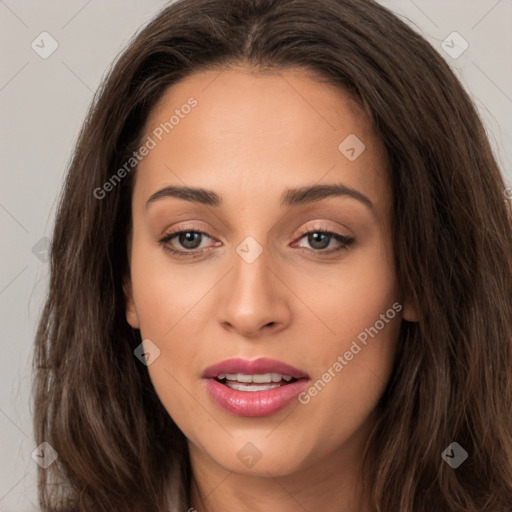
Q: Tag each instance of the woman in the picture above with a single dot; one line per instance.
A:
(281, 275)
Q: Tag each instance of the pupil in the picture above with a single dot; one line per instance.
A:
(313, 240)
(189, 239)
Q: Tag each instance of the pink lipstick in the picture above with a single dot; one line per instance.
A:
(258, 387)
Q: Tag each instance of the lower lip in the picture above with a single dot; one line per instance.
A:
(255, 403)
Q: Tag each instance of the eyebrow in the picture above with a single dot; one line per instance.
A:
(290, 197)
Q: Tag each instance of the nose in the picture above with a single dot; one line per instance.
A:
(254, 301)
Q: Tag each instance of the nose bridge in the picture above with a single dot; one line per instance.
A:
(252, 298)
(251, 272)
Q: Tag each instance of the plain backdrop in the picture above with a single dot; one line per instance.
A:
(42, 104)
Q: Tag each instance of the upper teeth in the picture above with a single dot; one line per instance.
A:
(259, 378)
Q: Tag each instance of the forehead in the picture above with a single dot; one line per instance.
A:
(251, 132)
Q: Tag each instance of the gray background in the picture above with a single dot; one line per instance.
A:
(42, 105)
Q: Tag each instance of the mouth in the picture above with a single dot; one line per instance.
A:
(258, 387)
(257, 382)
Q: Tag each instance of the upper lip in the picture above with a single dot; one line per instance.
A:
(253, 367)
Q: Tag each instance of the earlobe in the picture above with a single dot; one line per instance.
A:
(409, 312)
(131, 312)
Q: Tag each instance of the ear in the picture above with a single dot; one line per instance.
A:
(410, 313)
(131, 313)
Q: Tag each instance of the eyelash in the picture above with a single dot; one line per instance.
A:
(344, 240)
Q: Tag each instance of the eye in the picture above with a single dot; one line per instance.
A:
(191, 242)
(320, 239)
(189, 239)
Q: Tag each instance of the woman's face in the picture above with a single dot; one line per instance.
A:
(254, 167)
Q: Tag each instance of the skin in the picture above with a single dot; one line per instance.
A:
(252, 136)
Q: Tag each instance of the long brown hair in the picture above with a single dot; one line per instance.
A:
(452, 380)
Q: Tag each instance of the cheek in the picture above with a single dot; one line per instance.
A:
(181, 397)
(167, 295)
(172, 302)
(350, 377)
(360, 312)
(349, 297)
